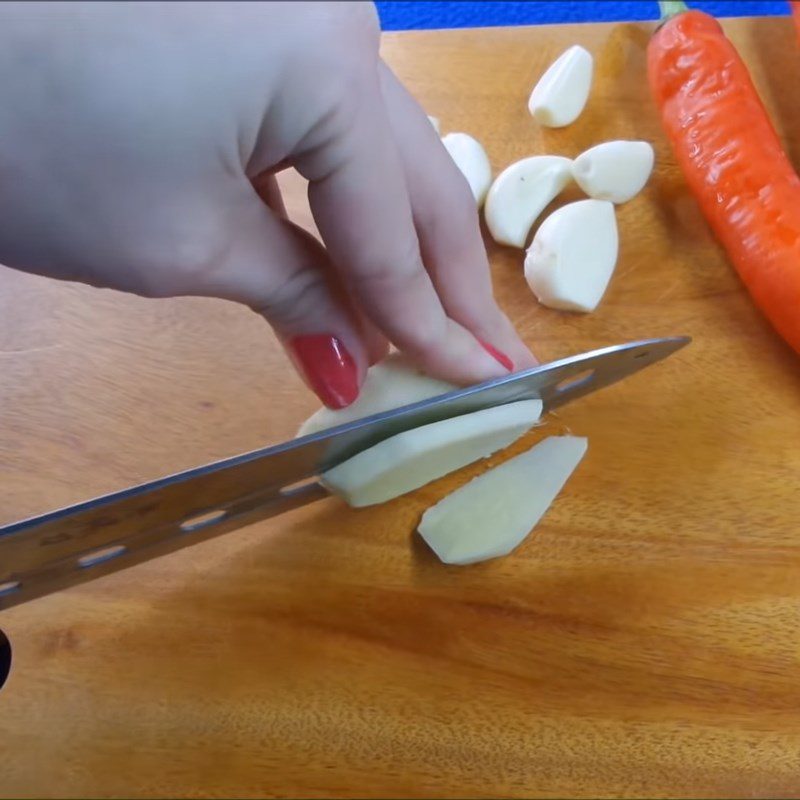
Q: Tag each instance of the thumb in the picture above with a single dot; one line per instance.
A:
(284, 274)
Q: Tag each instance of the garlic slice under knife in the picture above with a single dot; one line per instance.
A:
(493, 513)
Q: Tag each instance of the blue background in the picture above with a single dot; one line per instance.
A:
(407, 14)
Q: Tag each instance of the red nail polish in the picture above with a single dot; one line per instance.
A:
(328, 367)
(501, 358)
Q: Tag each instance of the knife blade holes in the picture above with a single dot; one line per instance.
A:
(9, 587)
(5, 658)
(203, 520)
(298, 486)
(100, 556)
(574, 381)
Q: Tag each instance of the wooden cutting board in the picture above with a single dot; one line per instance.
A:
(645, 641)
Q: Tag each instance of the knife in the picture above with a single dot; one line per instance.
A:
(63, 548)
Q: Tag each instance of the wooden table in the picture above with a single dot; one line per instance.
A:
(645, 641)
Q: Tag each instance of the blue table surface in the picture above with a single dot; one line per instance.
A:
(398, 15)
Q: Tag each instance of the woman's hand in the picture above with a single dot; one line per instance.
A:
(138, 147)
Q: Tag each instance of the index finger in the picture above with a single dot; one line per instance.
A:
(360, 203)
(448, 226)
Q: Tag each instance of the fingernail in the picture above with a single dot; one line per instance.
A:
(498, 356)
(328, 367)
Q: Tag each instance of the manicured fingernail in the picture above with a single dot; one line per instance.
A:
(501, 358)
(328, 367)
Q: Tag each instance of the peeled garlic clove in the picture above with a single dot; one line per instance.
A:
(435, 122)
(418, 456)
(489, 516)
(573, 255)
(471, 159)
(561, 93)
(392, 383)
(615, 171)
(520, 193)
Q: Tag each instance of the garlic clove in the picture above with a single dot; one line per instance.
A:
(573, 254)
(471, 159)
(520, 193)
(616, 171)
(561, 93)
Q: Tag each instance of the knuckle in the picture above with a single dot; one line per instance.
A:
(423, 340)
(183, 257)
(402, 283)
(296, 299)
(354, 55)
(366, 23)
(344, 32)
(402, 273)
(462, 201)
(359, 21)
(453, 226)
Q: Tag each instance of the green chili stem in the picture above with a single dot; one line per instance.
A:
(669, 8)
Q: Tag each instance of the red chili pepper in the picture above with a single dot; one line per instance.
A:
(732, 158)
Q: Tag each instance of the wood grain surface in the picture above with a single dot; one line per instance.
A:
(644, 642)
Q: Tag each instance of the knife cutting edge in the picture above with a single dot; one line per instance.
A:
(63, 548)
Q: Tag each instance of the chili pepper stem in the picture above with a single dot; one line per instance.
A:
(670, 8)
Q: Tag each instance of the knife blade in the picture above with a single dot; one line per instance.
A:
(63, 548)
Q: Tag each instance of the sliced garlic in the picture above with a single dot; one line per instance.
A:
(573, 255)
(435, 122)
(520, 193)
(561, 93)
(489, 516)
(615, 171)
(471, 159)
(415, 457)
(392, 383)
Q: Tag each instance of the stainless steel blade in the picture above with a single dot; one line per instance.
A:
(50, 552)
